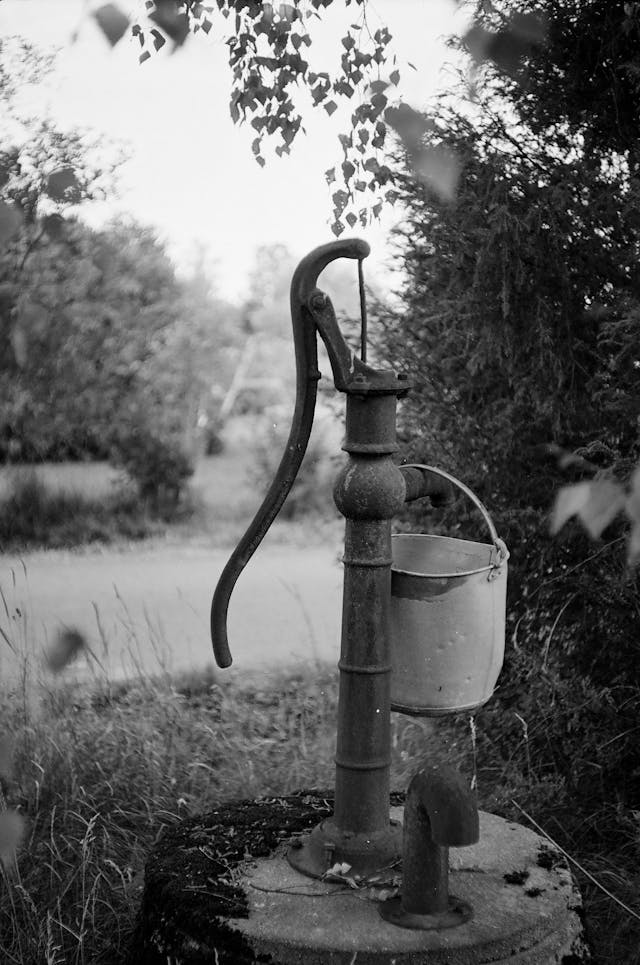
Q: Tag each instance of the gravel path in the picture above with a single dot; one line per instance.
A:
(146, 608)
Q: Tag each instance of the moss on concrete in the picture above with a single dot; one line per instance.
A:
(191, 882)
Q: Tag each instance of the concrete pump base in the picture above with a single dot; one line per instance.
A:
(526, 910)
(523, 911)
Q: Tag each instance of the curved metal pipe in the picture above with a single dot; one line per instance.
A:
(421, 483)
(440, 812)
(303, 285)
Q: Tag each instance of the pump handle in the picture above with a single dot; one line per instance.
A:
(311, 311)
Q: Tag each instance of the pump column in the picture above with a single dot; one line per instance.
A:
(369, 491)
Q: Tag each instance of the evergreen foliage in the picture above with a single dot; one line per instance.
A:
(583, 81)
(519, 315)
(520, 325)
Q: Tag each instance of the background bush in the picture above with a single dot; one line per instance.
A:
(31, 516)
(312, 491)
(158, 466)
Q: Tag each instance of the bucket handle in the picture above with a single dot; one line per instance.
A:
(502, 553)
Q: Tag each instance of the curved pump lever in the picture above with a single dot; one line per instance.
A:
(311, 310)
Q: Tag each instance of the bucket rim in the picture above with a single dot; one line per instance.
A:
(446, 576)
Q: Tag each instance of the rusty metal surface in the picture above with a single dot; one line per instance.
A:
(440, 812)
(421, 483)
(372, 857)
(369, 492)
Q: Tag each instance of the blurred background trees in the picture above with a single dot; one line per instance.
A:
(105, 353)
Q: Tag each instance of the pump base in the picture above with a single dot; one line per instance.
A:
(219, 889)
(518, 906)
(369, 856)
(456, 914)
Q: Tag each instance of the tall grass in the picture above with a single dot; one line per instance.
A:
(100, 769)
(98, 774)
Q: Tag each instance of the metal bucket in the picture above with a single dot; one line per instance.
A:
(448, 607)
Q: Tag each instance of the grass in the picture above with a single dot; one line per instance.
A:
(100, 768)
(98, 774)
(99, 771)
(93, 479)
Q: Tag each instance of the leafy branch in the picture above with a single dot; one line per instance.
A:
(268, 50)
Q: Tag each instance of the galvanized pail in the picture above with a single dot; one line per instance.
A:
(448, 607)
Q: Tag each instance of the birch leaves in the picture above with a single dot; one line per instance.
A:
(270, 57)
(596, 503)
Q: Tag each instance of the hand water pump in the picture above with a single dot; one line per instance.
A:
(423, 616)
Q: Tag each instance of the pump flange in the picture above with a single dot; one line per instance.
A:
(374, 855)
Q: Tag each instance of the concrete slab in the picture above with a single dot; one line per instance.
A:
(526, 910)
(219, 891)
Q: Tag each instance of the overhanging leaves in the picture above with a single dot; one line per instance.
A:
(439, 167)
(171, 20)
(508, 46)
(267, 76)
(596, 504)
(64, 650)
(112, 21)
(53, 224)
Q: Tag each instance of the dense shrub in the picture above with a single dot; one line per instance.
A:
(519, 328)
(520, 313)
(31, 515)
(158, 466)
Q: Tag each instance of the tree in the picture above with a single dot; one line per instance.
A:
(582, 82)
(44, 173)
(86, 315)
(520, 328)
(580, 90)
(93, 308)
(511, 294)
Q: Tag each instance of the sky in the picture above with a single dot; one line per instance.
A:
(190, 172)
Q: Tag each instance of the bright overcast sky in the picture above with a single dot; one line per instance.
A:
(191, 173)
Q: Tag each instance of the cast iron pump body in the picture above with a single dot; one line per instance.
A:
(369, 491)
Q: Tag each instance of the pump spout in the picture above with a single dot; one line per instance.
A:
(440, 812)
